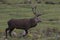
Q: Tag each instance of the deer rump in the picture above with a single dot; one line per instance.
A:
(22, 23)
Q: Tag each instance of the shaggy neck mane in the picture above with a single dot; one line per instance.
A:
(33, 22)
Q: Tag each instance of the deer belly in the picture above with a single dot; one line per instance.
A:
(20, 26)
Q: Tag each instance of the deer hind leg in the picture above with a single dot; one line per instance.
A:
(7, 29)
(10, 31)
(25, 33)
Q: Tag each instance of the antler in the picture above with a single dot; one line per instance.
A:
(35, 11)
(38, 13)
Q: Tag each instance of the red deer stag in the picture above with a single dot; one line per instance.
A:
(24, 24)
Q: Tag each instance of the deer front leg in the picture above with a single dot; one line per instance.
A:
(25, 33)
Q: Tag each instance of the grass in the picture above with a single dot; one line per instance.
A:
(8, 12)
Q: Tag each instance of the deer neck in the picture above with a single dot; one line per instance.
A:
(33, 22)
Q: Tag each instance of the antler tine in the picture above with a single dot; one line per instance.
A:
(38, 13)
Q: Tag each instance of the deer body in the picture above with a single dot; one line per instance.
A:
(22, 23)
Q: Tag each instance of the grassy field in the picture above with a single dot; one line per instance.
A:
(8, 12)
